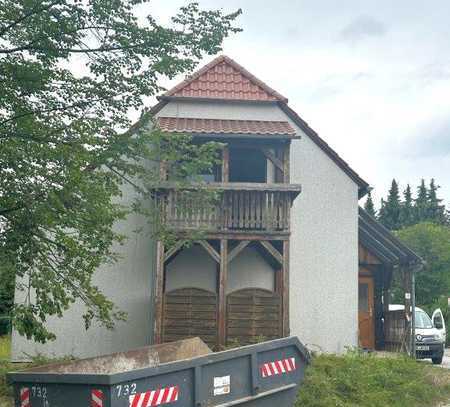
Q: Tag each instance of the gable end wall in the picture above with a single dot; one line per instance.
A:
(324, 240)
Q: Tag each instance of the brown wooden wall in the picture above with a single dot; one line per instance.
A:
(189, 312)
(253, 314)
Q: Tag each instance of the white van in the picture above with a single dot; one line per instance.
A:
(430, 333)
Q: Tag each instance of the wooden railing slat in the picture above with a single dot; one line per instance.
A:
(239, 210)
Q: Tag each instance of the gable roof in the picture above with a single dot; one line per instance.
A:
(383, 243)
(223, 78)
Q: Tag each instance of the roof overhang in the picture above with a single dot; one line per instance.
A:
(383, 244)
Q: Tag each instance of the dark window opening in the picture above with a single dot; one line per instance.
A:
(247, 165)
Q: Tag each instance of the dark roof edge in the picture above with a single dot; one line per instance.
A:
(215, 99)
(363, 186)
(411, 257)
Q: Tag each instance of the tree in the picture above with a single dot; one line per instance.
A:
(407, 209)
(64, 151)
(369, 206)
(421, 206)
(436, 211)
(431, 242)
(389, 214)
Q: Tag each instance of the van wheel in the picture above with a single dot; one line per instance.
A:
(437, 361)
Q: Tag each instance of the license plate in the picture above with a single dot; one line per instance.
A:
(422, 348)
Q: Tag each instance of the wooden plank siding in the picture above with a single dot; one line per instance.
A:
(253, 314)
(190, 312)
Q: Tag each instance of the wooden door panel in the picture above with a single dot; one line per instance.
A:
(366, 320)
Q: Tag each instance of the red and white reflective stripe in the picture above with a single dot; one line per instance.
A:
(25, 397)
(158, 397)
(277, 367)
(97, 398)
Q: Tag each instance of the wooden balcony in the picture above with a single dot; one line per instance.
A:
(236, 207)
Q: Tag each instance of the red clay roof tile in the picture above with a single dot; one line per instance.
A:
(224, 78)
(218, 126)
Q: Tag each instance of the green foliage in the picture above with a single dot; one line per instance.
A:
(390, 209)
(369, 206)
(368, 381)
(7, 280)
(5, 347)
(436, 211)
(431, 242)
(407, 217)
(64, 155)
(421, 204)
(426, 207)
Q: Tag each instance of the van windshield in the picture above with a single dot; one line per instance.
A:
(423, 321)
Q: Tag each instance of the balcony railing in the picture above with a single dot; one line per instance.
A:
(236, 207)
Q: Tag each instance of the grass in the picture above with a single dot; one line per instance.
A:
(5, 366)
(361, 380)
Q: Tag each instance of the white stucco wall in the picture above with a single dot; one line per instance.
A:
(192, 267)
(324, 240)
(249, 270)
(323, 252)
(128, 284)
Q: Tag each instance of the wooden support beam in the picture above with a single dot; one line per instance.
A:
(286, 163)
(159, 293)
(223, 281)
(212, 252)
(225, 164)
(271, 156)
(241, 246)
(285, 292)
(274, 252)
(163, 171)
(179, 245)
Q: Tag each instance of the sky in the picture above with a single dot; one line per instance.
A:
(371, 77)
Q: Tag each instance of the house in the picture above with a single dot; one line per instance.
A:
(280, 256)
(381, 256)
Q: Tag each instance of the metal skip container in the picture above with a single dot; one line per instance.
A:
(178, 374)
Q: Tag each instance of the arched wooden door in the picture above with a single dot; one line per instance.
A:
(253, 314)
(189, 312)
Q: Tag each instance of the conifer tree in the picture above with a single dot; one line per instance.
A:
(369, 206)
(407, 208)
(436, 211)
(421, 203)
(390, 213)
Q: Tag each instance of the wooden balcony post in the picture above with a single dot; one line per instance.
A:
(285, 288)
(159, 293)
(223, 277)
(225, 164)
(286, 163)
